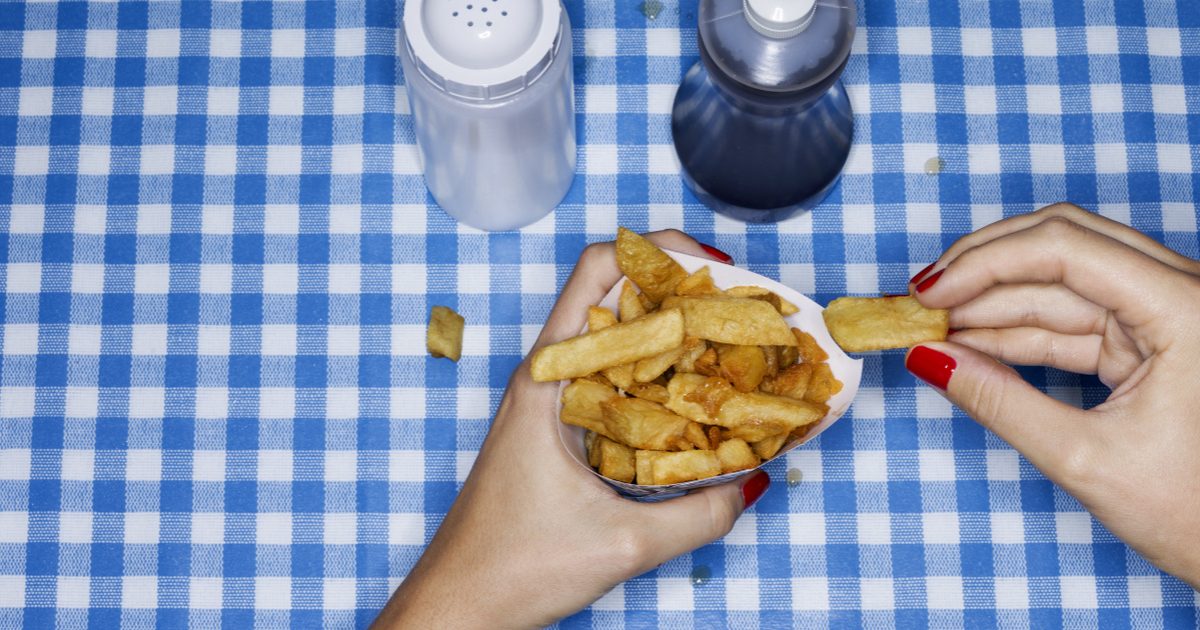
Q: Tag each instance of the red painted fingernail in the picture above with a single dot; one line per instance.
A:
(931, 366)
(930, 281)
(718, 254)
(921, 274)
(754, 488)
(952, 331)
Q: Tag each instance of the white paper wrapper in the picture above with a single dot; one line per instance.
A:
(808, 319)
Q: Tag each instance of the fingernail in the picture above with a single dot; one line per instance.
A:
(952, 331)
(921, 274)
(930, 281)
(718, 254)
(754, 488)
(931, 366)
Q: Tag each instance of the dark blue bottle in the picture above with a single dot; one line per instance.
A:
(761, 123)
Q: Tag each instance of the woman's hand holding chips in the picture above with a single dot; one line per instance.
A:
(1069, 289)
(533, 536)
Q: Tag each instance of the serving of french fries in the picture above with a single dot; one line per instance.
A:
(686, 380)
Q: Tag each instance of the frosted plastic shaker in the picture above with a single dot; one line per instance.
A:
(761, 123)
(491, 90)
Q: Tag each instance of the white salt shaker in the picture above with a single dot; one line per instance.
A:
(491, 88)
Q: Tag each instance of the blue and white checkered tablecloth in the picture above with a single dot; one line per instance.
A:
(217, 258)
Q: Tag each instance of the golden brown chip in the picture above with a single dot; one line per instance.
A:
(616, 461)
(581, 404)
(865, 324)
(792, 381)
(692, 349)
(643, 424)
(714, 437)
(600, 318)
(651, 368)
(823, 386)
(651, 269)
(784, 307)
(706, 363)
(696, 436)
(653, 392)
(629, 304)
(743, 366)
(643, 462)
(751, 416)
(735, 455)
(444, 336)
(788, 355)
(739, 321)
(593, 451)
(771, 356)
(810, 350)
(616, 345)
(668, 468)
(767, 448)
(699, 283)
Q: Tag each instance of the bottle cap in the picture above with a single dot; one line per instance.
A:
(482, 49)
(779, 18)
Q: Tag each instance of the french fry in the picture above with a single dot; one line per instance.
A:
(695, 435)
(643, 462)
(629, 304)
(706, 363)
(865, 324)
(600, 318)
(581, 405)
(788, 355)
(810, 350)
(692, 349)
(771, 356)
(593, 452)
(784, 307)
(766, 448)
(750, 416)
(444, 336)
(739, 321)
(616, 461)
(823, 386)
(643, 424)
(651, 368)
(736, 455)
(649, 391)
(699, 283)
(616, 345)
(651, 269)
(668, 468)
(792, 381)
(714, 437)
(743, 366)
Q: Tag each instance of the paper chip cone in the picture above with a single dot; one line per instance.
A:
(808, 319)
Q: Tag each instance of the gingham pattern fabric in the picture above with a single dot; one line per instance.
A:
(217, 258)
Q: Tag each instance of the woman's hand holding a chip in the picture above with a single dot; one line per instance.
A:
(1069, 289)
(533, 536)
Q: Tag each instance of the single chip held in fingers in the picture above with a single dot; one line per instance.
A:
(651, 269)
(444, 336)
(619, 344)
(866, 324)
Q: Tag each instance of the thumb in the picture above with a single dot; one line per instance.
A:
(1040, 427)
(678, 526)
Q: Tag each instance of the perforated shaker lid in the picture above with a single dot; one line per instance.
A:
(482, 49)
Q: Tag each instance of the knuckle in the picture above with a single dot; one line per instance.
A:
(1061, 209)
(1076, 464)
(630, 549)
(596, 252)
(722, 515)
(1059, 227)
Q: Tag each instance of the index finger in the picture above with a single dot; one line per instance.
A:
(1134, 286)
